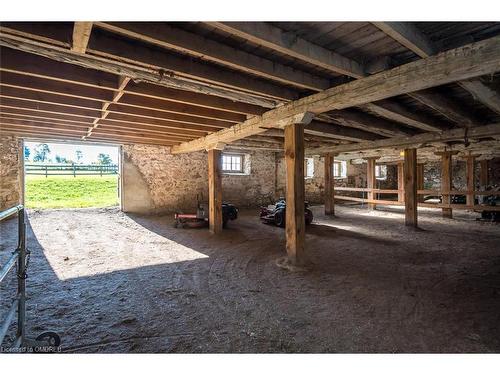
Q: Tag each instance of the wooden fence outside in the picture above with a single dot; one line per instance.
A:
(71, 169)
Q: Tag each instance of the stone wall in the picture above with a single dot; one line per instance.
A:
(156, 181)
(10, 172)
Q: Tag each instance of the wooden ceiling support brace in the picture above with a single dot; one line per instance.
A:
(329, 185)
(410, 187)
(446, 179)
(371, 180)
(420, 180)
(295, 193)
(470, 172)
(214, 191)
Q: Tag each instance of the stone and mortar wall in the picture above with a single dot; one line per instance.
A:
(156, 181)
(10, 172)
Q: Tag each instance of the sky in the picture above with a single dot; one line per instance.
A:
(68, 151)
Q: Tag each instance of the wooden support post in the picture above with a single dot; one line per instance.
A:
(420, 181)
(295, 207)
(483, 176)
(329, 185)
(446, 178)
(401, 183)
(410, 186)
(371, 181)
(214, 191)
(470, 172)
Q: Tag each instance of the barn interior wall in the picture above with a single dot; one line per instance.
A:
(11, 175)
(156, 181)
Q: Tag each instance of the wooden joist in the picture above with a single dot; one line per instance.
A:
(484, 94)
(461, 63)
(81, 36)
(141, 71)
(174, 38)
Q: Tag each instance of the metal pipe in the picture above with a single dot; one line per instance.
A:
(8, 319)
(21, 277)
(8, 266)
(11, 211)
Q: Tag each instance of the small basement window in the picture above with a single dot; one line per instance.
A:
(340, 169)
(232, 163)
(381, 172)
(309, 167)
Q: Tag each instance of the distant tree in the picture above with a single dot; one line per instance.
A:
(27, 153)
(103, 159)
(42, 152)
(61, 160)
(79, 155)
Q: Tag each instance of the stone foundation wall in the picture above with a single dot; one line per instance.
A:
(156, 181)
(10, 172)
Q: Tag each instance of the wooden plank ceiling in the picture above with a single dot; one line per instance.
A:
(171, 83)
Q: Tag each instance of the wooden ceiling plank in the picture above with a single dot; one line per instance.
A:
(174, 38)
(251, 91)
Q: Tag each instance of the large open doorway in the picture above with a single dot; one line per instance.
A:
(70, 175)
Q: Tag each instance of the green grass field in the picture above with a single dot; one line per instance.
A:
(71, 192)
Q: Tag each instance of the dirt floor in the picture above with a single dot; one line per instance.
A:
(111, 282)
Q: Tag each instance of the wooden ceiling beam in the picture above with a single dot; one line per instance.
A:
(81, 36)
(266, 35)
(133, 108)
(334, 131)
(6, 119)
(420, 139)
(412, 38)
(360, 120)
(466, 62)
(482, 93)
(238, 88)
(20, 63)
(290, 44)
(174, 38)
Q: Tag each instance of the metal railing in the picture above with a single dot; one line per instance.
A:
(71, 169)
(19, 257)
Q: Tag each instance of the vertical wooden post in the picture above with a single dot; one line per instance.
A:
(470, 172)
(410, 186)
(401, 183)
(446, 178)
(483, 174)
(214, 191)
(371, 181)
(295, 207)
(329, 186)
(420, 181)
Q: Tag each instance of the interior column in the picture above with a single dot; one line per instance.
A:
(470, 172)
(410, 187)
(420, 180)
(329, 185)
(483, 174)
(446, 178)
(295, 194)
(401, 188)
(214, 191)
(371, 181)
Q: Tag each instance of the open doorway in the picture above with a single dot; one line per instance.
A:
(70, 175)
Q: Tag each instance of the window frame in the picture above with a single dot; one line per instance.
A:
(306, 161)
(378, 176)
(342, 168)
(233, 171)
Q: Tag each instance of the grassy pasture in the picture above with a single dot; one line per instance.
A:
(71, 192)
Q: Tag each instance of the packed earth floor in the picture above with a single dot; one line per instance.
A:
(111, 282)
